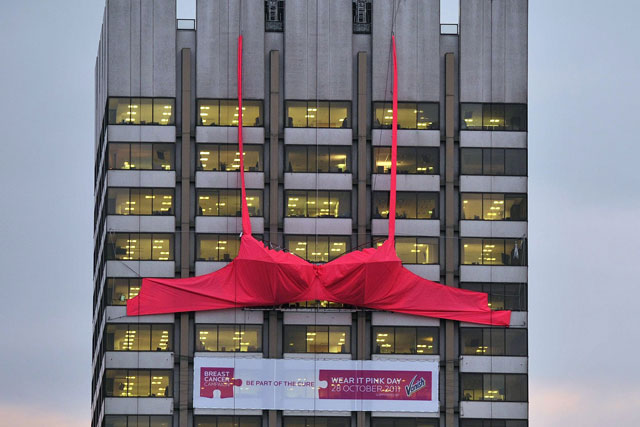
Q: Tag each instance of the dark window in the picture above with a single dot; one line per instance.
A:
(141, 111)
(138, 421)
(217, 247)
(119, 290)
(320, 114)
(318, 204)
(138, 337)
(316, 421)
(411, 160)
(242, 338)
(226, 157)
(405, 340)
(318, 249)
(140, 201)
(493, 341)
(411, 115)
(140, 156)
(493, 206)
(274, 15)
(362, 13)
(493, 161)
(502, 296)
(138, 383)
(139, 246)
(493, 387)
(404, 422)
(493, 117)
(466, 422)
(409, 205)
(224, 112)
(477, 251)
(318, 158)
(317, 339)
(227, 202)
(416, 250)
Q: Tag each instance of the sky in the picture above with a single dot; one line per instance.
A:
(584, 207)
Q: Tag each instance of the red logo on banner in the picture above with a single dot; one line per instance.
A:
(375, 385)
(222, 379)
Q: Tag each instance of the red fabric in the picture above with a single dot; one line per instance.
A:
(259, 276)
(394, 147)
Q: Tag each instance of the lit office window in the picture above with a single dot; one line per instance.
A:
(227, 202)
(223, 338)
(318, 158)
(140, 156)
(493, 161)
(404, 422)
(411, 160)
(493, 341)
(502, 296)
(493, 206)
(225, 112)
(493, 117)
(138, 421)
(315, 304)
(405, 340)
(140, 201)
(409, 205)
(467, 422)
(141, 111)
(320, 114)
(227, 421)
(139, 246)
(416, 250)
(119, 290)
(493, 387)
(226, 157)
(316, 421)
(217, 247)
(138, 337)
(477, 251)
(138, 383)
(411, 115)
(318, 204)
(318, 249)
(317, 339)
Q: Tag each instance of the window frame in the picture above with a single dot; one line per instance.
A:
(171, 212)
(217, 147)
(315, 195)
(110, 289)
(239, 329)
(504, 150)
(436, 335)
(315, 104)
(348, 163)
(168, 326)
(488, 347)
(153, 145)
(168, 372)
(416, 149)
(347, 346)
(250, 192)
(416, 194)
(347, 238)
(402, 103)
(133, 419)
(504, 199)
(227, 236)
(486, 287)
(491, 106)
(171, 122)
(483, 375)
(219, 101)
(524, 256)
(111, 254)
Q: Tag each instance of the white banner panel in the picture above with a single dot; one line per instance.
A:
(322, 385)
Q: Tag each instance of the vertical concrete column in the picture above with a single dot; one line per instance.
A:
(451, 397)
(362, 148)
(185, 246)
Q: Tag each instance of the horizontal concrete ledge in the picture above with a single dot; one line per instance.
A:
(490, 139)
(227, 224)
(141, 178)
(139, 359)
(138, 405)
(493, 184)
(319, 136)
(322, 226)
(504, 410)
(229, 134)
(406, 137)
(406, 182)
(219, 179)
(141, 223)
(502, 364)
(321, 181)
(512, 229)
(141, 133)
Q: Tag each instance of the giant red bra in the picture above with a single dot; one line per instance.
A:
(259, 276)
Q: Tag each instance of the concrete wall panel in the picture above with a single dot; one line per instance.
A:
(321, 181)
(227, 224)
(205, 179)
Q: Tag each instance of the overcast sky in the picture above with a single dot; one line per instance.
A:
(584, 98)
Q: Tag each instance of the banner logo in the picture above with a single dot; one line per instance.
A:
(414, 386)
(221, 379)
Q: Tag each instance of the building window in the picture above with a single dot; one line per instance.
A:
(409, 205)
(138, 337)
(242, 338)
(411, 160)
(318, 114)
(224, 112)
(318, 249)
(138, 421)
(493, 161)
(477, 251)
(411, 115)
(416, 250)
(315, 304)
(318, 158)
(474, 116)
(318, 204)
(316, 421)
(227, 202)
(405, 340)
(466, 422)
(226, 421)
(140, 156)
(217, 247)
(362, 13)
(140, 246)
(493, 206)
(141, 111)
(493, 341)
(274, 15)
(226, 157)
(119, 290)
(404, 422)
(138, 383)
(493, 387)
(140, 201)
(317, 339)
(502, 296)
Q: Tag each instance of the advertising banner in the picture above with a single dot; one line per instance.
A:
(323, 385)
